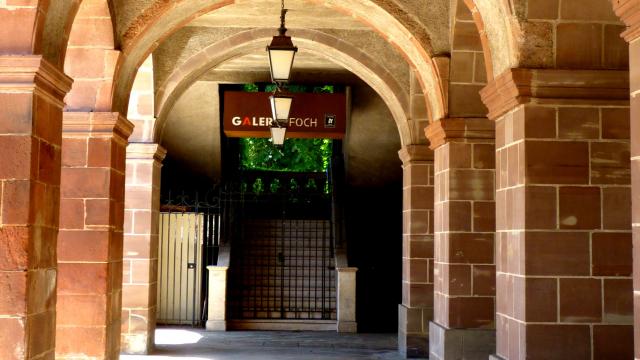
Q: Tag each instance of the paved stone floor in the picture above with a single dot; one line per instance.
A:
(196, 344)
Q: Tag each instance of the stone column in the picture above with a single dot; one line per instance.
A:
(90, 239)
(416, 309)
(31, 95)
(629, 13)
(346, 294)
(217, 300)
(464, 295)
(563, 243)
(140, 275)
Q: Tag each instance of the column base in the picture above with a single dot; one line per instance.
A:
(347, 327)
(136, 344)
(216, 325)
(468, 344)
(413, 331)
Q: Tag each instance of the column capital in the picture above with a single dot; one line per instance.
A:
(96, 124)
(146, 151)
(459, 129)
(34, 73)
(629, 12)
(413, 153)
(551, 86)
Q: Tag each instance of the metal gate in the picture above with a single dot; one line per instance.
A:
(188, 242)
(282, 263)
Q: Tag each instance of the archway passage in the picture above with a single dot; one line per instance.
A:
(519, 208)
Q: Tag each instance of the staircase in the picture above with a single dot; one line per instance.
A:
(283, 271)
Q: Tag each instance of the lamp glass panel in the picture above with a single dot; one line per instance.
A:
(281, 62)
(280, 106)
(278, 134)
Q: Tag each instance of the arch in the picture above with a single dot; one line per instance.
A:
(91, 59)
(161, 19)
(250, 41)
(495, 23)
(23, 27)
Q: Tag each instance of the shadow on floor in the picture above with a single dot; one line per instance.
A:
(197, 344)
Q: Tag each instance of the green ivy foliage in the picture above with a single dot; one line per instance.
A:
(296, 155)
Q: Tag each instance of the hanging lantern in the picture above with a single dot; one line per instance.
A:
(280, 109)
(281, 52)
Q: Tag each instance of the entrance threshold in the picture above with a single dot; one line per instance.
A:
(282, 325)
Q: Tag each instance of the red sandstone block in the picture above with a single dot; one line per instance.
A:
(71, 213)
(418, 295)
(615, 123)
(471, 248)
(612, 342)
(95, 32)
(41, 337)
(616, 49)
(458, 279)
(459, 156)
(16, 33)
(137, 296)
(539, 122)
(16, 116)
(100, 153)
(74, 152)
(484, 156)
(140, 198)
(81, 310)
(590, 10)
(98, 212)
(466, 37)
(610, 162)
(85, 183)
(539, 299)
(462, 67)
(618, 301)
(417, 270)
(543, 10)
(85, 63)
(82, 278)
(83, 95)
(580, 300)
(89, 341)
(145, 271)
(484, 280)
(471, 185)
(49, 164)
(415, 197)
(557, 342)
(457, 216)
(611, 253)
(616, 208)
(579, 46)
(549, 162)
(13, 287)
(579, 207)
(19, 159)
(471, 312)
(578, 123)
(540, 207)
(16, 202)
(556, 254)
(14, 248)
(465, 101)
(484, 216)
(13, 333)
(48, 120)
(84, 245)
